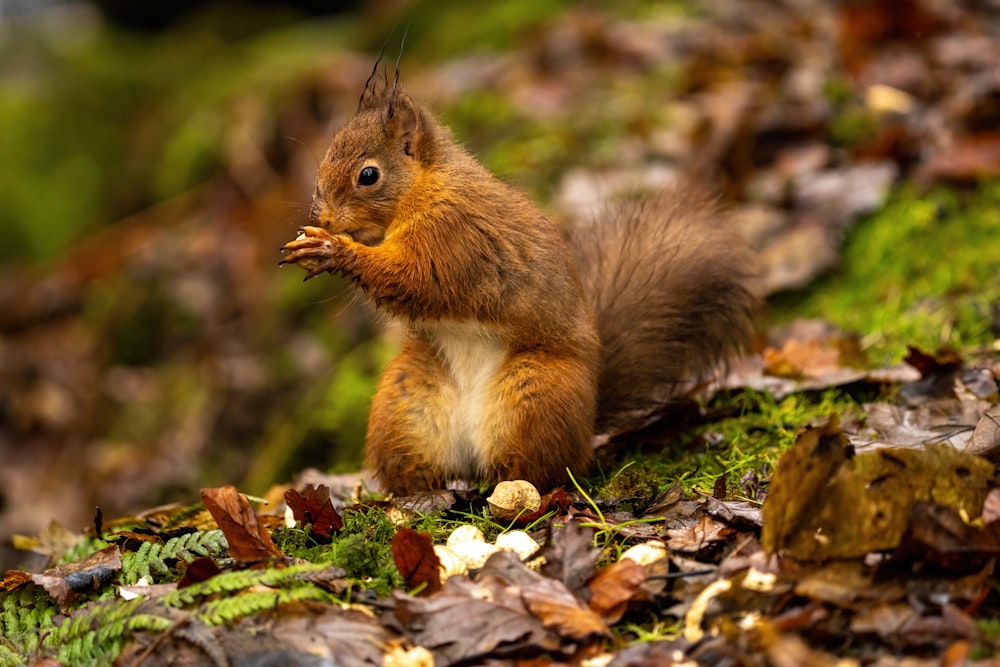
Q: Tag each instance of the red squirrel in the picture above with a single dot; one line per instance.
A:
(520, 344)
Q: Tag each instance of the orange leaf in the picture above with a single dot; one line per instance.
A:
(613, 587)
(558, 609)
(249, 541)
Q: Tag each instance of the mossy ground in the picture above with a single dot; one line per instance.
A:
(923, 271)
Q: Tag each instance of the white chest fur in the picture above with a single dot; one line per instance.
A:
(473, 354)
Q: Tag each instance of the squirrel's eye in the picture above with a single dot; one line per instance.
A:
(368, 176)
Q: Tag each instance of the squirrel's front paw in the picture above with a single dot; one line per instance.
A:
(315, 250)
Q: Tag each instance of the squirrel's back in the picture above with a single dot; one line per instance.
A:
(672, 291)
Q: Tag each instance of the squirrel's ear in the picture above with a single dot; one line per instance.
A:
(409, 126)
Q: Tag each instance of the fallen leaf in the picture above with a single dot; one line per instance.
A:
(413, 554)
(199, 570)
(558, 501)
(15, 579)
(558, 609)
(934, 420)
(938, 537)
(739, 514)
(991, 507)
(799, 358)
(466, 622)
(425, 503)
(342, 637)
(570, 556)
(313, 506)
(802, 471)
(249, 541)
(985, 440)
(842, 194)
(966, 159)
(700, 536)
(902, 624)
(823, 505)
(612, 588)
(945, 362)
(63, 583)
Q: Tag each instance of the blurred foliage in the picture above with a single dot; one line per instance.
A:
(938, 287)
(171, 165)
(110, 121)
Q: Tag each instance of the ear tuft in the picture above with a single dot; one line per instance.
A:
(408, 125)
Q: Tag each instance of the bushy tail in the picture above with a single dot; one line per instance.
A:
(672, 289)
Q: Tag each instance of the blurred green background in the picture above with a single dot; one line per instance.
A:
(155, 156)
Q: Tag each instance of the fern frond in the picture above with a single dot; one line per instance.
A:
(25, 613)
(232, 582)
(151, 557)
(233, 608)
(10, 658)
(149, 623)
(93, 635)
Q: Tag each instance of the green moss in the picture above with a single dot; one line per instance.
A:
(922, 271)
(853, 126)
(362, 549)
(751, 440)
(632, 488)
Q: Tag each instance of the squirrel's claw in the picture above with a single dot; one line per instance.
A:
(314, 250)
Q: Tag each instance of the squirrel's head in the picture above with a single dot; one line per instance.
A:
(372, 165)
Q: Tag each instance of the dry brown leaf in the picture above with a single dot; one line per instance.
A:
(695, 538)
(985, 440)
(967, 159)
(802, 472)
(612, 588)
(313, 506)
(63, 583)
(249, 541)
(824, 505)
(551, 602)
(413, 554)
(570, 556)
(469, 621)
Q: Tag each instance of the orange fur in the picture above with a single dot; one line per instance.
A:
(506, 348)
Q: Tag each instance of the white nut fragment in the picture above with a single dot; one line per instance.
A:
(762, 582)
(417, 656)
(511, 499)
(451, 564)
(647, 553)
(519, 542)
(465, 533)
(474, 554)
